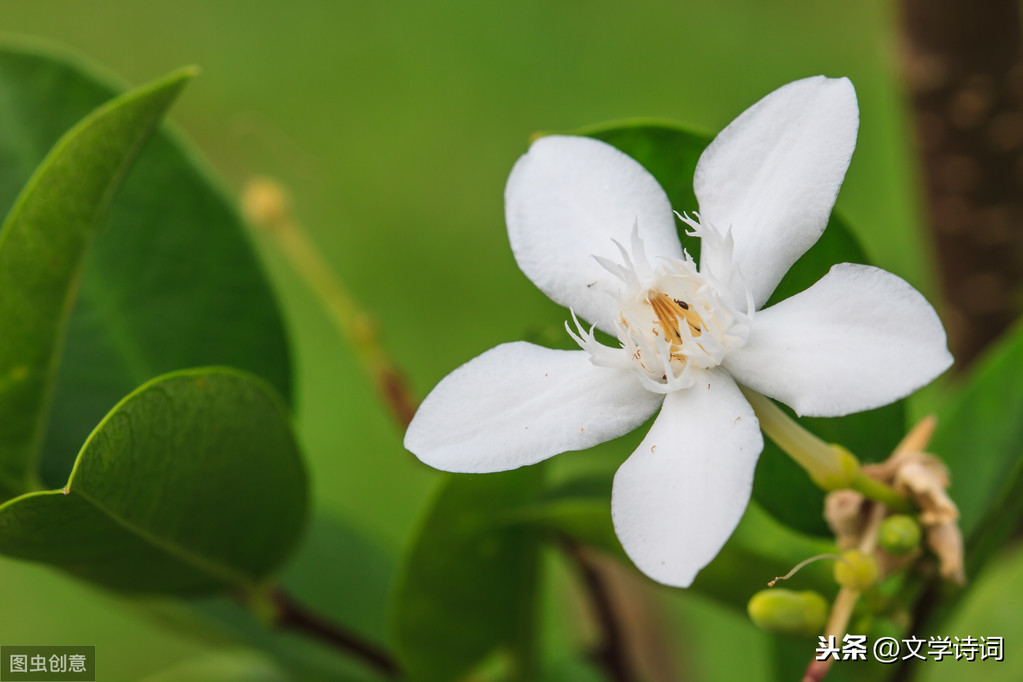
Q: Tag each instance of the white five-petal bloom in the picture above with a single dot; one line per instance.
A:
(595, 232)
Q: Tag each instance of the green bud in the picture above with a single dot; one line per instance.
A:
(794, 613)
(856, 570)
(899, 534)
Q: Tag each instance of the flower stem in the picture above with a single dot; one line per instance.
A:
(845, 602)
(885, 494)
(266, 204)
(829, 466)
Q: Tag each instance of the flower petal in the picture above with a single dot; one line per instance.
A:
(857, 339)
(773, 174)
(519, 403)
(567, 198)
(678, 498)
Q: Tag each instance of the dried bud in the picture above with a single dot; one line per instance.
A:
(946, 542)
(925, 479)
(844, 512)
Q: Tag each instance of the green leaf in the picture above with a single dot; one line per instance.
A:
(193, 483)
(170, 281)
(989, 609)
(670, 153)
(980, 436)
(783, 487)
(468, 585)
(42, 245)
(227, 666)
(579, 508)
(339, 572)
(760, 548)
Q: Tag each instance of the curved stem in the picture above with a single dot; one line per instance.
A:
(266, 204)
(611, 652)
(290, 615)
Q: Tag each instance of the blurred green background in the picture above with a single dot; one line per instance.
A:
(394, 125)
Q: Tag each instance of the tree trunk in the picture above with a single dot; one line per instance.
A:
(964, 72)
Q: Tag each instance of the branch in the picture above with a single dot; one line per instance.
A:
(293, 616)
(611, 653)
(964, 70)
(267, 205)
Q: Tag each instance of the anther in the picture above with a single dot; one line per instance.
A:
(669, 311)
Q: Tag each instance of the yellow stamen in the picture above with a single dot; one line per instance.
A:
(669, 311)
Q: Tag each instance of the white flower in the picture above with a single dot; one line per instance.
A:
(594, 230)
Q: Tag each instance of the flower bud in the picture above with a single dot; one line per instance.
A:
(264, 202)
(899, 534)
(794, 613)
(856, 570)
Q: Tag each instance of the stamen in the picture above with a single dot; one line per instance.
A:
(670, 312)
(666, 337)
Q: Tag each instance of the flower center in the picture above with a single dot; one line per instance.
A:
(672, 314)
(673, 319)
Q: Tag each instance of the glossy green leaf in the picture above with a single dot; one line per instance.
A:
(468, 585)
(339, 573)
(42, 245)
(579, 508)
(784, 489)
(193, 483)
(670, 153)
(170, 281)
(760, 548)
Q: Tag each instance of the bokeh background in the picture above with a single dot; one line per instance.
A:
(393, 125)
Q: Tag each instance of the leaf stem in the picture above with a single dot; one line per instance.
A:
(266, 204)
(290, 615)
